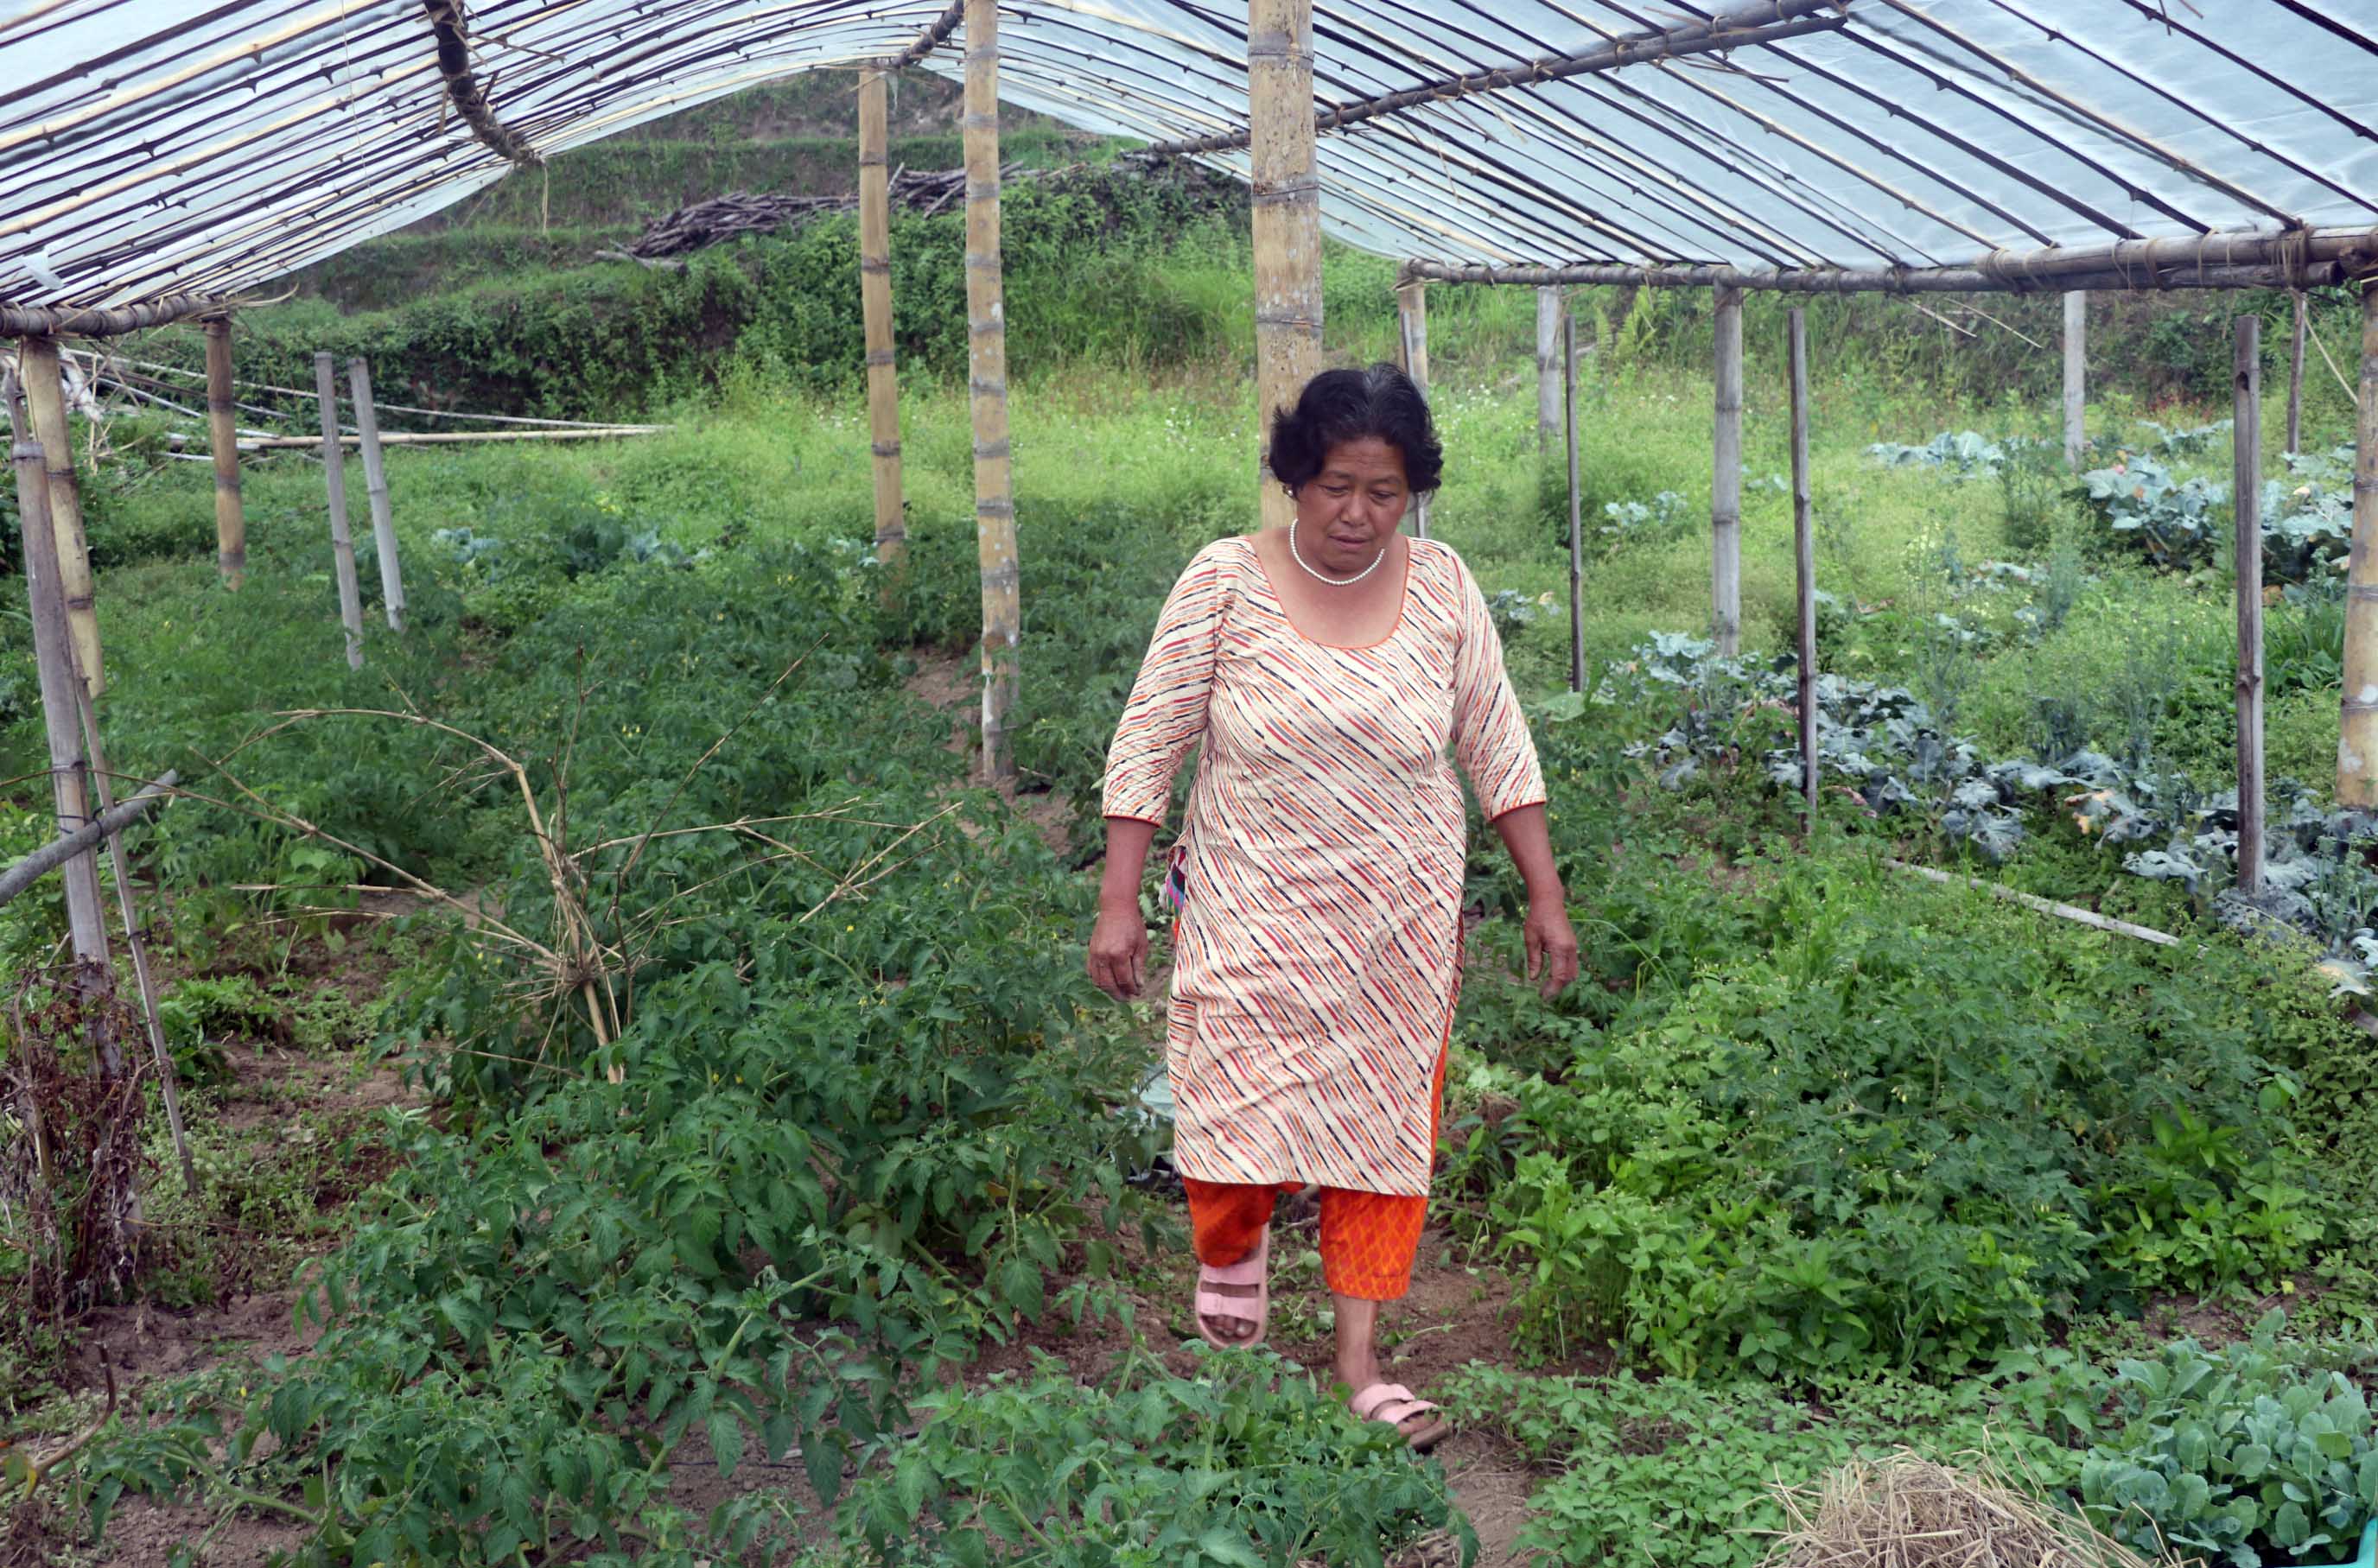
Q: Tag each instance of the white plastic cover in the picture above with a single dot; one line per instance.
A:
(155, 146)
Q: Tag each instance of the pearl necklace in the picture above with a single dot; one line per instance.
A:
(1333, 581)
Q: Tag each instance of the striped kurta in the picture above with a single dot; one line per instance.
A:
(1318, 959)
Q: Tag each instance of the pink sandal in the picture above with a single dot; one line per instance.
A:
(1394, 1404)
(1253, 1269)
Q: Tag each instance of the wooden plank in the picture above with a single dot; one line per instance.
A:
(875, 306)
(1576, 528)
(2246, 494)
(2357, 741)
(367, 439)
(46, 404)
(1725, 482)
(343, 546)
(994, 491)
(1804, 555)
(1286, 197)
(2076, 373)
(223, 435)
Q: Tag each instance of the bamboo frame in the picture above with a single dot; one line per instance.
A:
(2246, 491)
(1549, 358)
(1285, 199)
(1725, 480)
(446, 438)
(935, 35)
(1803, 556)
(334, 477)
(2295, 372)
(367, 441)
(1765, 22)
(223, 435)
(463, 88)
(875, 305)
(61, 722)
(45, 407)
(1576, 499)
(2357, 741)
(1411, 320)
(2077, 375)
(994, 491)
(85, 840)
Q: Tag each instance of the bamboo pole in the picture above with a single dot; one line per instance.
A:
(70, 780)
(875, 302)
(392, 571)
(2357, 746)
(448, 438)
(1550, 356)
(2033, 900)
(15, 878)
(2246, 489)
(334, 477)
(1725, 484)
(1286, 196)
(1804, 555)
(2076, 373)
(231, 522)
(1411, 316)
(2295, 373)
(994, 495)
(45, 407)
(1576, 528)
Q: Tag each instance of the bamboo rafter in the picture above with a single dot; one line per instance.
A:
(463, 85)
(1762, 23)
(112, 321)
(932, 38)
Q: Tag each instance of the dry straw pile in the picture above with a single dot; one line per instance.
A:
(1907, 1511)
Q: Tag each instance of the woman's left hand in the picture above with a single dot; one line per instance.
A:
(1552, 946)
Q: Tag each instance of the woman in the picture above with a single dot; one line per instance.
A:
(1324, 667)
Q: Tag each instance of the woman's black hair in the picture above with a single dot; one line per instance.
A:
(1339, 406)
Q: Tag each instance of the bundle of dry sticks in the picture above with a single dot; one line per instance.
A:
(738, 213)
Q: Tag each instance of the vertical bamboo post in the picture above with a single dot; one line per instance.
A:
(1286, 197)
(334, 476)
(1804, 555)
(2076, 372)
(2246, 489)
(392, 572)
(1550, 356)
(223, 436)
(875, 305)
(1725, 484)
(61, 722)
(1576, 528)
(46, 406)
(1411, 317)
(994, 495)
(2357, 743)
(2295, 374)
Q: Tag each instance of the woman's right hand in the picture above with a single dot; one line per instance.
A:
(1119, 951)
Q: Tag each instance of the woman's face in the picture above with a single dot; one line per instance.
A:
(1352, 506)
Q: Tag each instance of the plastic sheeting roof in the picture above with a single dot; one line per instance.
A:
(157, 146)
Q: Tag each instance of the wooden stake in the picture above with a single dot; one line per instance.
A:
(875, 304)
(1550, 311)
(2357, 743)
(342, 547)
(1286, 193)
(1576, 529)
(1411, 316)
(2246, 490)
(1804, 553)
(2295, 374)
(60, 721)
(994, 495)
(2076, 373)
(46, 406)
(223, 435)
(1725, 484)
(392, 572)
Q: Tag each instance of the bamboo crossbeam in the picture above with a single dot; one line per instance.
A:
(448, 438)
(935, 35)
(15, 878)
(2228, 260)
(102, 322)
(1765, 22)
(463, 88)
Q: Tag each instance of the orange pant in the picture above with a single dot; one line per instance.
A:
(1368, 1240)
